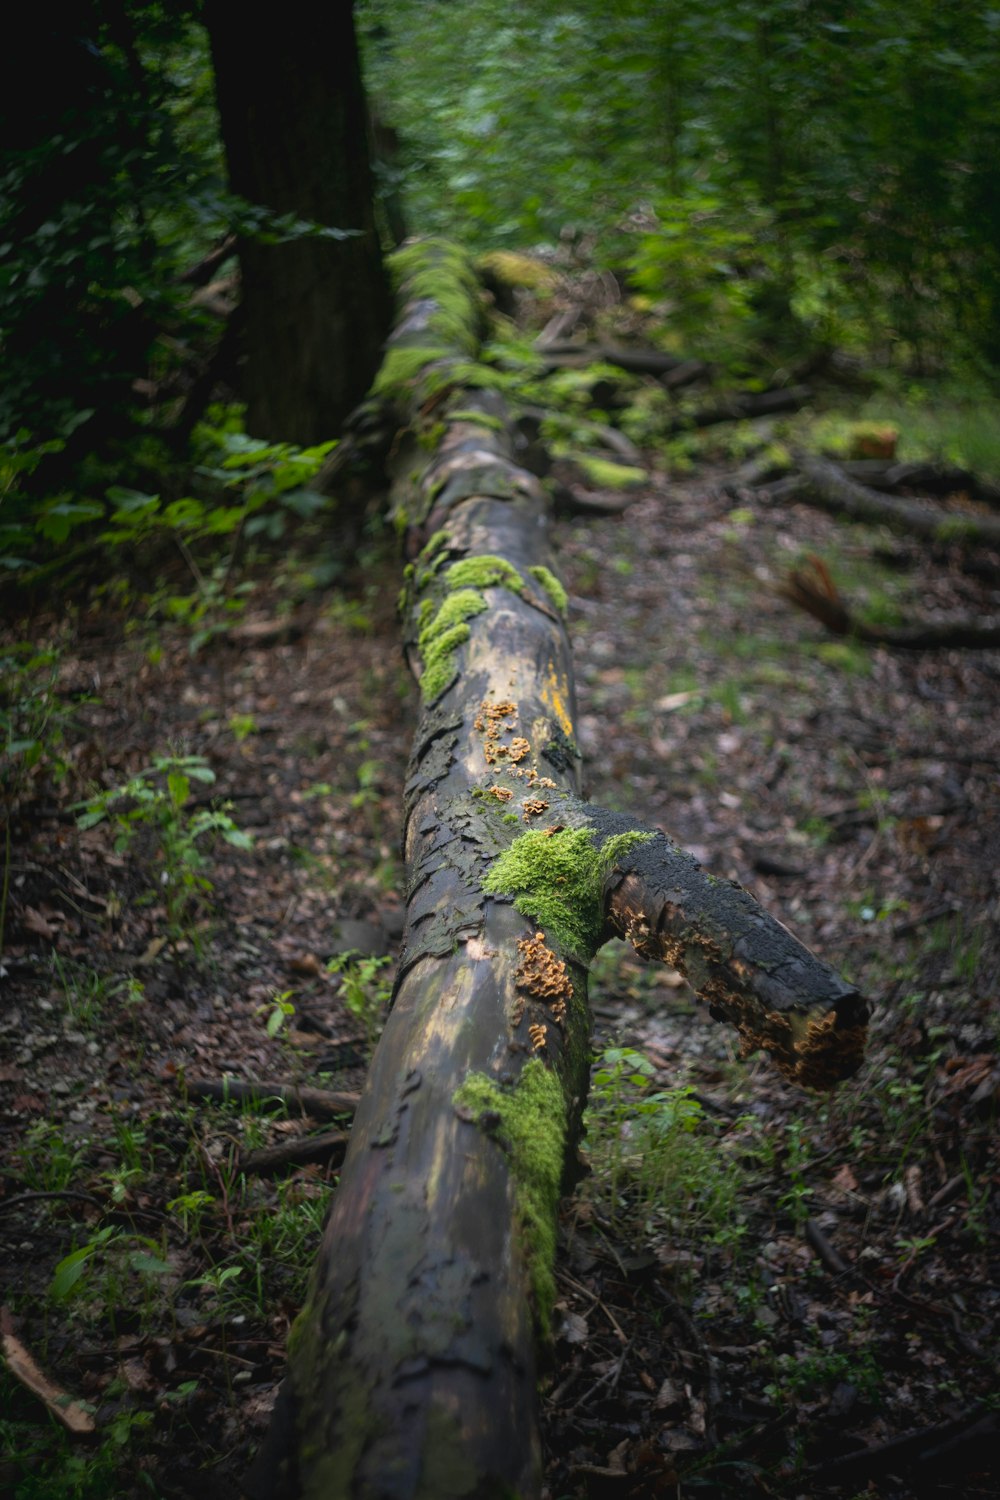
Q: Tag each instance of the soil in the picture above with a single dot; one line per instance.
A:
(834, 1333)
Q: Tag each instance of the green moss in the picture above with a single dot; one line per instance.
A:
(518, 270)
(550, 583)
(463, 604)
(478, 419)
(439, 665)
(609, 475)
(440, 272)
(483, 572)
(955, 529)
(529, 1123)
(433, 544)
(440, 637)
(557, 880)
(402, 365)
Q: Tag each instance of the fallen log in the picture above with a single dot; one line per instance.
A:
(742, 405)
(929, 478)
(323, 1150)
(412, 1366)
(830, 487)
(571, 356)
(322, 1104)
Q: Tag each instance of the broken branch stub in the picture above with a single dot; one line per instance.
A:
(412, 1366)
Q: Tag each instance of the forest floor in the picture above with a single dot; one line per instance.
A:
(761, 1291)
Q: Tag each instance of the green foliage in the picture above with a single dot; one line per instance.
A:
(154, 809)
(47, 1463)
(252, 492)
(100, 208)
(656, 1151)
(808, 1374)
(34, 719)
(363, 992)
(771, 166)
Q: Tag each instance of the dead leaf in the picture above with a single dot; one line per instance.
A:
(36, 923)
(845, 1179)
(308, 964)
(153, 950)
(670, 1394)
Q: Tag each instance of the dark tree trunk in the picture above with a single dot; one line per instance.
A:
(412, 1368)
(292, 110)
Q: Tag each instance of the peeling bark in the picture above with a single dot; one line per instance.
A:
(412, 1370)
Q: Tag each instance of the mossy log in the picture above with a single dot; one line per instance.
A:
(413, 1365)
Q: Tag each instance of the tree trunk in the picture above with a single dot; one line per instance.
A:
(292, 110)
(412, 1367)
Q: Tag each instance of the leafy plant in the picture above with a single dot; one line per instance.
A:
(365, 995)
(156, 803)
(34, 722)
(279, 1012)
(651, 1151)
(48, 1160)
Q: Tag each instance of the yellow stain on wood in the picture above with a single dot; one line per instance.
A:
(555, 696)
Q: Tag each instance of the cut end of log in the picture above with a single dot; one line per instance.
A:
(815, 1052)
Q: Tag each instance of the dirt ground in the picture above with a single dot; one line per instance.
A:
(828, 1327)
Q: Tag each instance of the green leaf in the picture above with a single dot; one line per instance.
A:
(179, 787)
(147, 1264)
(68, 1272)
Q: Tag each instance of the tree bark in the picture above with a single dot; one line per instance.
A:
(295, 128)
(412, 1369)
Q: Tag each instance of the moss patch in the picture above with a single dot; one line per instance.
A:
(557, 880)
(518, 270)
(402, 365)
(483, 572)
(477, 419)
(609, 475)
(441, 272)
(441, 636)
(529, 1123)
(550, 583)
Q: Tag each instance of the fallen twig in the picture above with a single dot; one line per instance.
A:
(74, 1417)
(811, 588)
(326, 1149)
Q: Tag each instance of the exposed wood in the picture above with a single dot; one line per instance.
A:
(687, 373)
(811, 588)
(558, 326)
(412, 1370)
(827, 483)
(322, 1104)
(203, 270)
(19, 1361)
